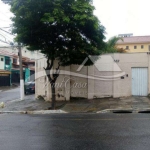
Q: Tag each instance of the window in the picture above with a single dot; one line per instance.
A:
(127, 47)
(2, 59)
(14, 61)
(142, 46)
(135, 47)
(7, 61)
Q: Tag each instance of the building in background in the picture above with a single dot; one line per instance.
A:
(134, 44)
(5, 69)
(10, 69)
(28, 69)
(33, 55)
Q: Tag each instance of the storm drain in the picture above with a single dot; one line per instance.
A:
(122, 111)
(145, 111)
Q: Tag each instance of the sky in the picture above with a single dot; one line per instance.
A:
(124, 16)
(117, 16)
(5, 23)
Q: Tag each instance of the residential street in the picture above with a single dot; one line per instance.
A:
(75, 132)
(12, 94)
(87, 65)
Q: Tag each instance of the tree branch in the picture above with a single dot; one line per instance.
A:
(48, 63)
(56, 74)
(52, 62)
(48, 68)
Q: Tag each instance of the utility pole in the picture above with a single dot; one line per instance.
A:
(21, 73)
(20, 62)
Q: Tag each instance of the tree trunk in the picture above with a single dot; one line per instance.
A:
(52, 79)
(53, 95)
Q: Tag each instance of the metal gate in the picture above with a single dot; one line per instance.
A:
(4, 79)
(15, 77)
(139, 81)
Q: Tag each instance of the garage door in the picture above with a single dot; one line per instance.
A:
(4, 79)
(139, 81)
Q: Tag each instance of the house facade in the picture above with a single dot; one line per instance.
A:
(28, 69)
(9, 63)
(5, 70)
(113, 75)
(33, 55)
(134, 44)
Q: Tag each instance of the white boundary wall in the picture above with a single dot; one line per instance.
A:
(107, 72)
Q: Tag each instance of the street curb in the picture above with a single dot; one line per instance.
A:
(141, 110)
(59, 111)
(13, 112)
(125, 110)
(113, 110)
(34, 112)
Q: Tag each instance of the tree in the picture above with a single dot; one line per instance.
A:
(111, 46)
(65, 30)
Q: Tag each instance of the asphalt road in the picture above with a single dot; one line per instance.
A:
(13, 94)
(75, 132)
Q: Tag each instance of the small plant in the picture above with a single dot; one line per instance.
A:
(40, 97)
(148, 95)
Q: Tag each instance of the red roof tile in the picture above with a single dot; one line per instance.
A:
(6, 53)
(134, 39)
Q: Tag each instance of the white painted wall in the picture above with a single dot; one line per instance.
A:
(31, 54)
(107, 80)
(2, 62)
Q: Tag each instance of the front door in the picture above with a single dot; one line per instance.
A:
(139, 81)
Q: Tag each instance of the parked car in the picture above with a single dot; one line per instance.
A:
(29, 87)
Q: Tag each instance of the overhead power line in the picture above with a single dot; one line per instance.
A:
(7, 38)
(5, 46)
(5, 27)
(5, 14)
(6, 31)
(3, 37)
(20, 62)
(5, 20)
(4, 42)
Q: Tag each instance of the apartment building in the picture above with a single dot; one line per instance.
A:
(134, 44)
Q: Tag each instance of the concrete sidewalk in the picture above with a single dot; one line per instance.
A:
(109, 104)
(29, 105)
(81, 106)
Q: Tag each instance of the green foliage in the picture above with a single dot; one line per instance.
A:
(110, 46)
(62, 29)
